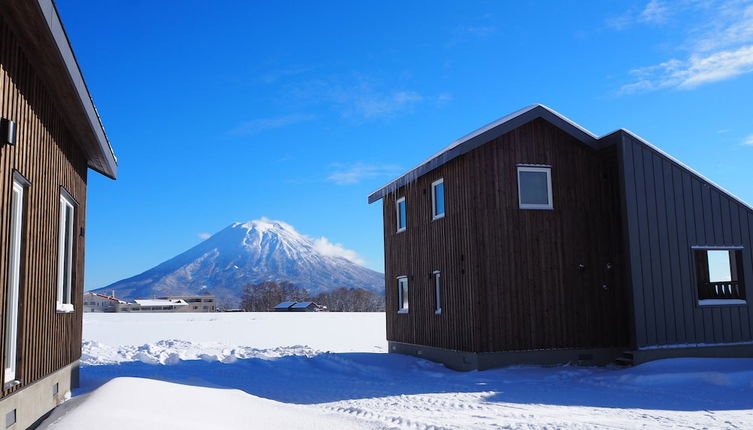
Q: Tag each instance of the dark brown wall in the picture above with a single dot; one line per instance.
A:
(511, 277)
(46, 155)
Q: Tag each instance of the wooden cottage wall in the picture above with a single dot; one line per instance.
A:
(512, 278)
(47, 156)
(668, 210)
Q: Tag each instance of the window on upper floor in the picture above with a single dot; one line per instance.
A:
(400, 213)
(719, 274)
(402, 294)
(437, 199)
(66, 239)
(535, 187)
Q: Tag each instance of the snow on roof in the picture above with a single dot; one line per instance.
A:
(483, 135)
(91, 293)
(284, 305)
(160, 302)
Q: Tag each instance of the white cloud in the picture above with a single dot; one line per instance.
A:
(204, 236)
(261, 124)
(693, 72)
(748, 141)
(324, 246)
(655, 12)
(719, 47)
(357, 172)
(361, 98)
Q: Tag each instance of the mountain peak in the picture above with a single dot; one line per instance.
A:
(250, 252)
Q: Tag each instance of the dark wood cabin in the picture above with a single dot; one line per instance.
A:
(50, 135)
(531, 240)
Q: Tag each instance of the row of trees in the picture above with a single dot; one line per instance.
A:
(264, 296)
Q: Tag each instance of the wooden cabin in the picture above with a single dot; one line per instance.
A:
(50, 135)
(531, 240)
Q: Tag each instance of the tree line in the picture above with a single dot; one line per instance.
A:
(264, 296)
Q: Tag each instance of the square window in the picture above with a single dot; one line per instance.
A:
(535, 187)
(402, 294)
(401, 214)
(719, 275)
(437, 199)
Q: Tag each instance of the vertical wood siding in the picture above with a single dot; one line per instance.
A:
(511, 277)
(669, 210)
(47, 156)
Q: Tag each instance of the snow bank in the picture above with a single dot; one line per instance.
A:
(133, 403)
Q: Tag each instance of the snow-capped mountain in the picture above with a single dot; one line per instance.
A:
(251, 252)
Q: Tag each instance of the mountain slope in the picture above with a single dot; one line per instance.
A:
(242, 253)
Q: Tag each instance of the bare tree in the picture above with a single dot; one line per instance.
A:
(264, 296)
(351, 300)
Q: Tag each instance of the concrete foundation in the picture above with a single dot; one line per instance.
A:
(698, 351)
(36, 400)
(463, 360)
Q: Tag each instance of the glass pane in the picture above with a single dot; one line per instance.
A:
(401, 216)
(533, 188)
(719, 270)
(439, 199)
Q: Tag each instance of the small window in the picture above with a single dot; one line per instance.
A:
(437, 199)
(401, 215)
(535, 187)
(719, 273)
(65, 254)
(402, 294)
(437, 292)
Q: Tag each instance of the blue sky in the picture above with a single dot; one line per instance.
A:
(228, 111)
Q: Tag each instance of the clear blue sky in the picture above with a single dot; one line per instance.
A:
(228, 111)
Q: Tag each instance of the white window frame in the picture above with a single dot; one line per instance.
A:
(10, 359)
(548, 171)
(64, 299)
(397, 214)
(434, 214)
(437, 277)
(402, 297)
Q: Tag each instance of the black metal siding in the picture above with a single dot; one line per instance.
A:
(669, 209)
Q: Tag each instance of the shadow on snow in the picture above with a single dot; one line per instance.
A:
(678, 384)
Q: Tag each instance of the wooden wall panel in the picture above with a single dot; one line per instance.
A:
(511, 277)
(47, 156)
(668, 211)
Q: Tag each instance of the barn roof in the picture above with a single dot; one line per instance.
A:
(284, 305)
(483, 135)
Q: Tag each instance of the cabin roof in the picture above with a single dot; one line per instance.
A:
(483, 135)
(301, 305)
(38, 25)
(284, 305)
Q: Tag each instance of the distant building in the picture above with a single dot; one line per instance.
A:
(299, 307)
(94, 302)
(196, 303)
(169, 304)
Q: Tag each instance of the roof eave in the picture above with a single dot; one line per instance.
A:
(106, 162)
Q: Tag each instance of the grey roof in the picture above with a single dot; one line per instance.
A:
(284, 305)
(300, 305)
(483, 135)
(106, 163)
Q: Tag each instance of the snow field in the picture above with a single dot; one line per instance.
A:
(328, 369)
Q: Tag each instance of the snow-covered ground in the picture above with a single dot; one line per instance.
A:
(329, 371)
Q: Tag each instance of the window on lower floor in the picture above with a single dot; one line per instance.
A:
(719, 273)
(437, 277)
(402, 294)
(66, 238)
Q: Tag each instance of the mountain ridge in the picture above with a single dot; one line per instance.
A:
(248, 252)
